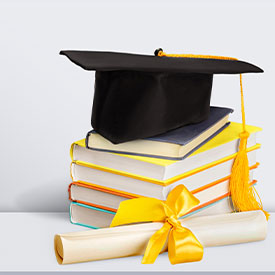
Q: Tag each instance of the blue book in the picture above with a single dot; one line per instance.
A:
(95, 218)
(175, 145)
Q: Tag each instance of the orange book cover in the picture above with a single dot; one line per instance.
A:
(132, 196)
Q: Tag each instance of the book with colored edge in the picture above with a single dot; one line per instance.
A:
(95, 217)
(110, 199)
(214, 199)
(148, 187)
(176, 144)
(221, 146)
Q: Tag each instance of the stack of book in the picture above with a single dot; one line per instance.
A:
(200, 156)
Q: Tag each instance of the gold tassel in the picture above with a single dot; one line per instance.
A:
(244, 196)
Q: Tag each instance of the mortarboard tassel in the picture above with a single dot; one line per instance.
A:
(244, 196)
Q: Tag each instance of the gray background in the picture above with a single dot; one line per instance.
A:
(46, 101)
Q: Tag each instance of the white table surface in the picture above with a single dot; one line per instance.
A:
(26, 244)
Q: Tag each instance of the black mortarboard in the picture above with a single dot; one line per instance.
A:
(139, 96)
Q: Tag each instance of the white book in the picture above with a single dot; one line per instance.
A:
(221, 146)
(175, 144)
(108, 200)
(149, 188)
(92, 217)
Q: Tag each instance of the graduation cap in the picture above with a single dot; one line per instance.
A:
(139, 96)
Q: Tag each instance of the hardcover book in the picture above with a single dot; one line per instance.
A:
(109, 199)
(221, 146)
(95, 208)
(148, 187)
(94, 217)
(176, 144)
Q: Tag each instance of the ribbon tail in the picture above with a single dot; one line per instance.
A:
(155, 244)
(139, 210)
(183, 246)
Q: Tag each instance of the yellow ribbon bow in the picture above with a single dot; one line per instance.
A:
(183, 246)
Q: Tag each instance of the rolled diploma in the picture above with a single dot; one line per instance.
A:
(130, 240)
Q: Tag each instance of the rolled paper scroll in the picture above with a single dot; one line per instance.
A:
(131, 240)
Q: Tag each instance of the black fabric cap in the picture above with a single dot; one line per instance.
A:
(139, 96)
(110, 61)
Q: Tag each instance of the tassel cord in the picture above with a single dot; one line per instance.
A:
(243, 195)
